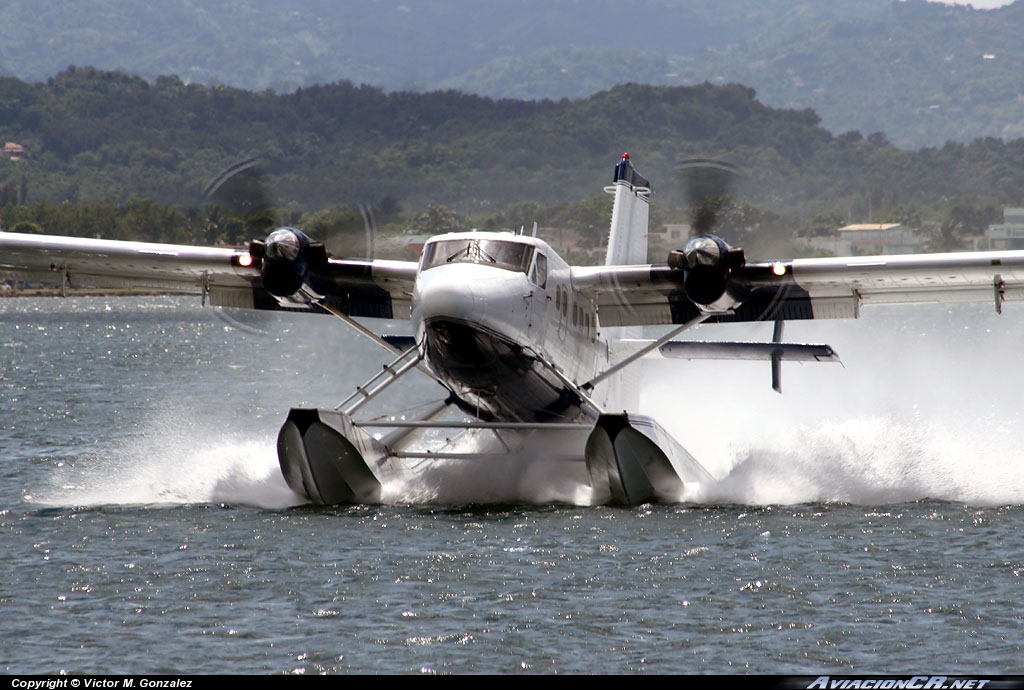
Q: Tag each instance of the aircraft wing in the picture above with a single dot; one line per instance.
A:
(224, 276)
(802, 288)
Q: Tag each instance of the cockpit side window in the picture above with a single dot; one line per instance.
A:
(539, 274)
(511, 256)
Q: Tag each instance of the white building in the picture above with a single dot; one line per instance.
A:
(1010, 233)
(861, 239)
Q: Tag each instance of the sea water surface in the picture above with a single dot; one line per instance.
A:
(869, 520)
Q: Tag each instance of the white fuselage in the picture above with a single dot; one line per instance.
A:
(505, 329)
(503, 326)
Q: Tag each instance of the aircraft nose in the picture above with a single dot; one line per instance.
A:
(486, 297)
(449, 299)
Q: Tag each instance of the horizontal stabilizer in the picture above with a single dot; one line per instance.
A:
(741, 350)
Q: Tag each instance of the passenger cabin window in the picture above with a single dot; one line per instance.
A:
(511, 256)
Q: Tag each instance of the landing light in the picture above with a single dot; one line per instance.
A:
(245, 260)
(779, 269)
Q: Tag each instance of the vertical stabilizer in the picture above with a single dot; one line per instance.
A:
(627, 245)
(627, 242)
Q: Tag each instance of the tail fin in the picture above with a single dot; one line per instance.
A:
(627, 242)
(627, 245)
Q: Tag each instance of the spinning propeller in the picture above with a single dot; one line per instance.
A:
(708, 263)
(238, 206)
(716, 277)
(237, 203)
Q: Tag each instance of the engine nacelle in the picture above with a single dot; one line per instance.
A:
(289, 256)
(708, 263)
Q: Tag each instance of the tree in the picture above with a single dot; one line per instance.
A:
(591, 218)
(435, 219)
(963, 220)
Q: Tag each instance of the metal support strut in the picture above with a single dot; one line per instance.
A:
(388, 375)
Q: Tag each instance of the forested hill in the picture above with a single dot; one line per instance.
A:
(103, 135)
(923, 72)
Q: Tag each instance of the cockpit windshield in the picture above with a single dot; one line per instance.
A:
(511, 256)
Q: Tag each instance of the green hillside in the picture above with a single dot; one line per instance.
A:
(109, 138)
(922, 73)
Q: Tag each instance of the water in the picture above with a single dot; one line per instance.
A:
(867, 521)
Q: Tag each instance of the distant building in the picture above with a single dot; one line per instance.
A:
(415, 242)
(1010, 233)
(862, 239)
(673, 235)
(881, 238)
(14, 151)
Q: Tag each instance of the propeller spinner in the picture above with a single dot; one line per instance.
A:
(288, 258)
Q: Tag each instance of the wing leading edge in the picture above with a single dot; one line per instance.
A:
(224, 276)
(806, 288)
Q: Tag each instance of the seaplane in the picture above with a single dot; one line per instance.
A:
(535, 358)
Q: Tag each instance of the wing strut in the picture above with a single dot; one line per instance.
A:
(695, 321)
(383, 342)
